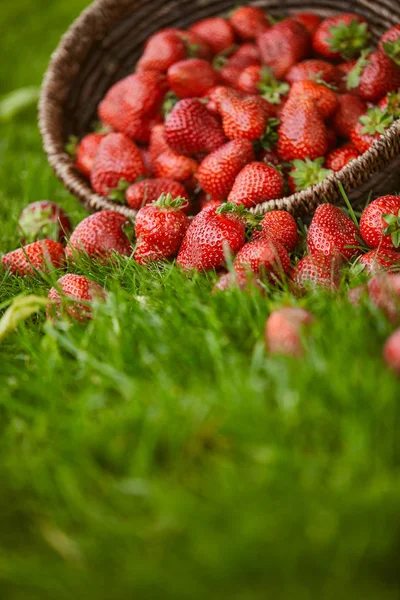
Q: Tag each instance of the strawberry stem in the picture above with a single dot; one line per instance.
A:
(393, 228)
(70, 146)
(308, 172)
(349, 40)
(167, 201)
(375, 121)
(118, 194)
(392, 49)
(353, 77)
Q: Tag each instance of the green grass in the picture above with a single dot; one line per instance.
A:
(158, 452)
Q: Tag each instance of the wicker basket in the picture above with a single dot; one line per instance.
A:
(103, 45)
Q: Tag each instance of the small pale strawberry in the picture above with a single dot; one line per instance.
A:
(73, 296)
(391, 351)
(284, 331)
(43, 219)
(384, 292)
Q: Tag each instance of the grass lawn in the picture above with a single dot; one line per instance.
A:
(157, 452)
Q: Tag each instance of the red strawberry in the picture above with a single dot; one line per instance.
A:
(244, 117)
(231, 68)
(349, 110)
(100, 234)
(284, 328)
(131, 104)
(117, 158)
(43, 219)
(216, 31)
(256, 183)
(174, 166)
(391, 351)
(147, 166)
(349, 77)
(331, 138)
(310, 21)
(369, 128)
(339, 158)
(162, 50)
(86, 151)
(390, 44)
(149, 190)
(230, 280)
(316, 271)
(280, 226)
(214, 233)
(380, 260)
(283, 45)
(218, 170)
(259, 80)
(344, 35)
(160, 228)
(331, 232)
(196, 47)
(269, 156)
(307, 172)
(42, 255)
(191, 77)
(313, 69)
(302, 132)
(249, 21)
(73, 295)
(374, 76)
(157, 144)
(264, 257)
(384, 292)
(391, 104)
(190, 128)
(380, 223)
(324, 98)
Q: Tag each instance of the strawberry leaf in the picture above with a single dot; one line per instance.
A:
(270, 137)
(167, 201)
(393, 104)
(118, 194)
(353, 77)
(392, 49)
(170, 100)
(71, 145)
(375, 121)
(270, 88)
(349, 40)
(308, 172)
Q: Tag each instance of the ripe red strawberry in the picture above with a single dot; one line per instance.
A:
(384, 292)
(348, 111)
(73, 295)
(147, 166)
(244, 117)
(339, 158)
(331, 232)
(380, 223)
(196, 47)
(283, 45)
(149, 190)
(369, 128)
(344, 35)
(307, 172)
(131, 105)
(191, 77)
(313, 69)
(86, 151)
(42, 255)
(249, 21)
(100, 235)
(349, 78)
(117, 158)
(390, 44)
(391, 104)
(157, 144)
(174, 166)
(211, 237)
(380, 260)
(374, 76)
(310, 21)
(302, 132)
(284, 329)
(391, 351)
(162, 50)
(316, 271)
(324, 98)
(256, 183)
(280, 226)
(218, 170)
(43, 219)
(190, 128)
(160, 228)
(216, 31)
(265, 258)
(231, 68)
(259, 80)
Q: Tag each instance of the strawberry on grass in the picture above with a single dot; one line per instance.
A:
(256, 183)
(160, 228)
(42, 255)
(331, 233)
(391, 351)
(265, 257)
(73, 296)
(375, 261)
(316, 270)
(43, 219)
(384, 293)
(380, 223)
(284, 331)
(280, 226)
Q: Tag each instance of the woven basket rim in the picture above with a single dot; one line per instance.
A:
(63, 165)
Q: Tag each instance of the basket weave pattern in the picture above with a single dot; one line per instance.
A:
(103, 45)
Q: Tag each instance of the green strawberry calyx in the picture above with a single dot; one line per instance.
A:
(375, 121)
(251, 220)
(168, 202)
(308, 172)
(118, 194)
(170, 99)
(270, 88)
(393, 228)
(37, 224)
(392, 49)
(71, 146)
(393, 105)
(349, 40)
(220, 59)
(270, 136)
(319, 79)
(353, 77)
